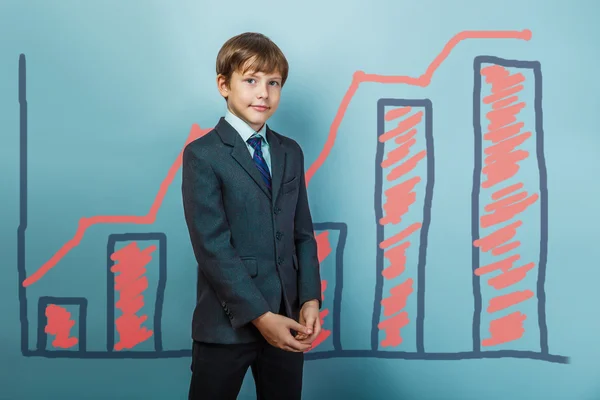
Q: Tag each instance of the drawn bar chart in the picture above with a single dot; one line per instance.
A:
(509, 300)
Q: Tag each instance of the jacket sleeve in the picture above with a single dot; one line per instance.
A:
(210, 237)
(309, 283)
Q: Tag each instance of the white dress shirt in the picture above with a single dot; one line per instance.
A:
(245, 131)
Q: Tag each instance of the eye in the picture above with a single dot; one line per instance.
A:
(250, 79)
(275, 82)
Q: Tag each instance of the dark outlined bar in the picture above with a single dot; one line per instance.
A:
(532, 118)
(113, 239)
(334, 277)
(408, 145)
(42, 336)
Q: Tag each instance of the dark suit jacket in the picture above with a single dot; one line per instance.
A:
(252, 247)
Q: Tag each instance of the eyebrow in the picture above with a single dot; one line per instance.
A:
(271, 77)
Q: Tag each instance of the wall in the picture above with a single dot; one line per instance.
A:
(489, 291)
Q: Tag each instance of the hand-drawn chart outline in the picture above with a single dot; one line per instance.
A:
(338, 351)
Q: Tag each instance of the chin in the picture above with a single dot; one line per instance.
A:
(259, 120)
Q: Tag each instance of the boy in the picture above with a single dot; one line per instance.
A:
(247, 212)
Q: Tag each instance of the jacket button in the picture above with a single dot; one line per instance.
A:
(277, 210)
(279, 260)
(278, 235)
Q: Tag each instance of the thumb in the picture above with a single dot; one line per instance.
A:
(310, 323)
(298, 327)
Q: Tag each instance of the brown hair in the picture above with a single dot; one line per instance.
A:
(251, 51)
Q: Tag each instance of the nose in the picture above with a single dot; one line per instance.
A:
(263, 92)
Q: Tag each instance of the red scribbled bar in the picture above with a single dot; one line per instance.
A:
(402, 188)
(505, 329)
(60, 324)
(506, 197)
(392, 327)
(130, 283)
(398, 296)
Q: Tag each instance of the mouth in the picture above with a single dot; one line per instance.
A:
(260, 108)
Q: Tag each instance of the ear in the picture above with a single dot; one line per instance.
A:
(223, 85)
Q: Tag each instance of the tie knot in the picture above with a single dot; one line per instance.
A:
(255, 141)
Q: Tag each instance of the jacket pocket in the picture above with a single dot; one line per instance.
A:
(289, 186)
(251, 265)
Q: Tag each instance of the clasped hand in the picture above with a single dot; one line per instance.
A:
(276, 328)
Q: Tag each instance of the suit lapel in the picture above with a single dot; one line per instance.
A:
(241, 154)
(277, 161)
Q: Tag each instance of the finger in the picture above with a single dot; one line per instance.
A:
(310, 324)
(298, 327)
(308, 341)
(318, 327)
(301, 334)
(315, 334)
(302, 350)
(301, 320)
(296, 345)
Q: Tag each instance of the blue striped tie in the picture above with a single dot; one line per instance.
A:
(256, 141)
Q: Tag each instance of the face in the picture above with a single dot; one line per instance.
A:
(253, 96)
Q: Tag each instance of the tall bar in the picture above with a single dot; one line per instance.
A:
(509, 207)
(403, 193)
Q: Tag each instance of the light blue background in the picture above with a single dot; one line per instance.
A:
(114, 87)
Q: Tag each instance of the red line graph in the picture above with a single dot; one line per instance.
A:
(422, 81)
(195, 132)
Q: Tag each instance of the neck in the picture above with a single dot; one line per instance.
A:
(256, 129)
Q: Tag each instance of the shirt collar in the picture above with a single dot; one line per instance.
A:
(244, 130)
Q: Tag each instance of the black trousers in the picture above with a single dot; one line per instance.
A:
(218, 371)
